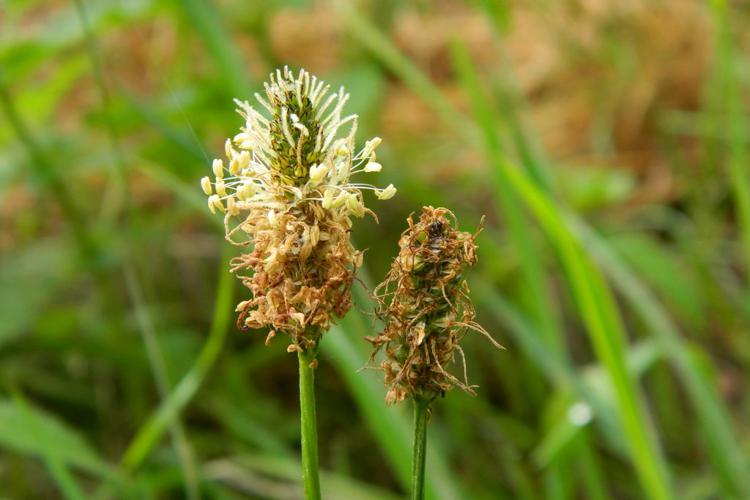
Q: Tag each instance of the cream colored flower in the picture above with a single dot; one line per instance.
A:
(286, 190)
(295, 147)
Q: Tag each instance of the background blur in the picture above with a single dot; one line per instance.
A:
(605, 140)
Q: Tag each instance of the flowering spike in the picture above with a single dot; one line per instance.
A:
(424, 302)
(288, 196)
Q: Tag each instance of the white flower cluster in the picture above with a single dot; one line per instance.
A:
(295, 153)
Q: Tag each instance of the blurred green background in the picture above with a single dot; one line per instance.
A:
(605, 140)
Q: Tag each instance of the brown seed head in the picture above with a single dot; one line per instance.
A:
(426, 308)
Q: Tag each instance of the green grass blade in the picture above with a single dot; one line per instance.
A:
(592, 295)
(716, 426)
(508, 204)
(729, 83)
(604, 326)
(116, 194)
(26, 430)
(582, 383)
(591, 470)
(158, 368)
(366, 34)
(47, 174)
(726, 452)
(151, 432)
(205, 19)
(64, 479)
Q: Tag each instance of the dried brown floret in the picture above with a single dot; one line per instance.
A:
(424, 302)
(303, 266)
(286, 194)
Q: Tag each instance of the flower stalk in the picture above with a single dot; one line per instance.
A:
(308, 424)
(425, 305)
(286, 193)
(419, 457)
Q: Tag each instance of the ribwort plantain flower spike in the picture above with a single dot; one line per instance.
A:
(285, 191)
(425, 305)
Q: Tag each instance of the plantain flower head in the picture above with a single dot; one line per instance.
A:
(425, 305)
(286, 192)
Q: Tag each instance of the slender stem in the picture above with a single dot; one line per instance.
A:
(309, 425)
(421, 406)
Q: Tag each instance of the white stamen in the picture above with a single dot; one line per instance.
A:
(387, 193)
(218, 168)
(285, 128)
(263, 103)
(318, 172)
(206, 186)
(327, 103)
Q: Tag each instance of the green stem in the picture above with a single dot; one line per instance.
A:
(309, 426)
(421, 406)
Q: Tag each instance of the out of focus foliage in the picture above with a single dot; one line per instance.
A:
(605, 140)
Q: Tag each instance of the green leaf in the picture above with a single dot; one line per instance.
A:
(587, 188)
(48, 263)
(27, 430)
(668, 273)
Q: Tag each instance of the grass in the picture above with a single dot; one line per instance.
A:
(122, 373)
(729, 459)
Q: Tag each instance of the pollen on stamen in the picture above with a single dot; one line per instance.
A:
(288, 198)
